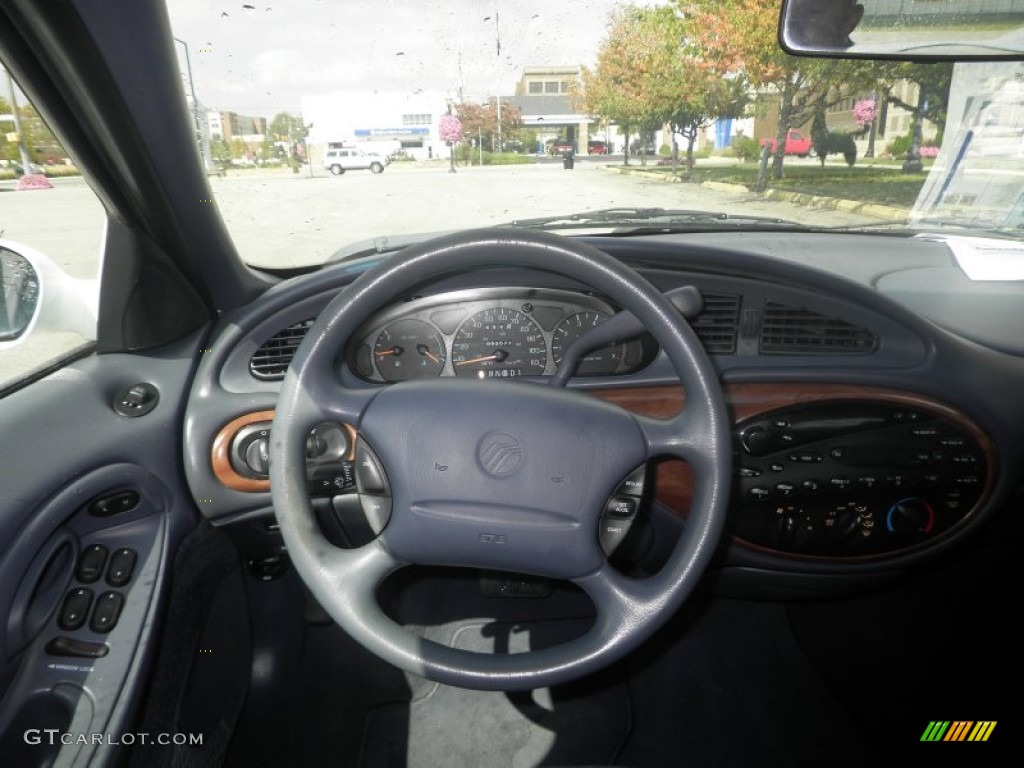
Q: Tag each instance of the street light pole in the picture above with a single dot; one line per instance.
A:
(195, 102)
(497, 46)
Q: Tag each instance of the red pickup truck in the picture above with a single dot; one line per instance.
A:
(796, 144)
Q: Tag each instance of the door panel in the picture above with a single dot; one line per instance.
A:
(92, 507)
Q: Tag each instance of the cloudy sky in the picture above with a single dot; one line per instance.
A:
(258, 58)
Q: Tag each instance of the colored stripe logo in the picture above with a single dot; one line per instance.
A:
(958, 730)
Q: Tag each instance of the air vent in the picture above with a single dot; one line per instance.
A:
(271, 360)
(716, 324)
(792, 331)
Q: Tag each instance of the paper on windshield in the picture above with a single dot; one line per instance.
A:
(977, 180)
(985, 258)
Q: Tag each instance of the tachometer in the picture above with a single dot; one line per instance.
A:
(409, 349)
(499, 343)
(604, 360)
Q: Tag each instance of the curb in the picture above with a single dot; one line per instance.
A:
(874, 210)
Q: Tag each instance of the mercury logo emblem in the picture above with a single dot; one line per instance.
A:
(499, 453)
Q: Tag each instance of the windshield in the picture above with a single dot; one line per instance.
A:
(336, 128)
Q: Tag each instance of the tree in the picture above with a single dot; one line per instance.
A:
(449, 129)
(618, 87)
(286, 127)
(933, 82)
(481, 121)
(741, 36)
(38, 139)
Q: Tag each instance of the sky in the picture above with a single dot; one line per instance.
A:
(258, 57)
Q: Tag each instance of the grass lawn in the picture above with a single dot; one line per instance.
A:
(887, 186)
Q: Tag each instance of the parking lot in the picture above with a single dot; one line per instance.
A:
(282, 219)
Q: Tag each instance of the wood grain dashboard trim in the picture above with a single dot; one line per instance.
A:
(220, 455)
(673, 479)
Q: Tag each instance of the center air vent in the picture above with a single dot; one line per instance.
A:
(793, 331)
(716, 325)
(271, 360)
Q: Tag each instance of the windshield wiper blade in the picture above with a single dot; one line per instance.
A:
(915, 226)
(648, 217)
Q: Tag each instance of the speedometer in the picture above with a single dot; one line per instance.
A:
(499, 343)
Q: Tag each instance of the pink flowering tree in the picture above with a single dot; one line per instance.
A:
(864, 112)
(449, 128)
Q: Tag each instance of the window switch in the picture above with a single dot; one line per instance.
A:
(122, 565)
(75, 609)
(91, 563)
(107, 611)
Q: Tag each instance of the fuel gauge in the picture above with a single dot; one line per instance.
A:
(409, 349)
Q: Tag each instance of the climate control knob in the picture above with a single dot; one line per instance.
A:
(910, 514)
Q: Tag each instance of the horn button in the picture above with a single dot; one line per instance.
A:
(517, 476)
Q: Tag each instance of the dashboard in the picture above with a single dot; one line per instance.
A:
(866, 435)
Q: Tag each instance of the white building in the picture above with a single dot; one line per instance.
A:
(383, 121)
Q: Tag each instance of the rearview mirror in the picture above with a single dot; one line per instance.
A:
(19, 294)
(904, 29)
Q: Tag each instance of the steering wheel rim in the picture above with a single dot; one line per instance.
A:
(345, 581)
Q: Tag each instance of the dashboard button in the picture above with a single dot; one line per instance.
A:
(634, 484)
(369, 474)
(785, 489)
(620, 507)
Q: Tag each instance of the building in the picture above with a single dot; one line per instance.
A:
(384, 121)
(543, 98)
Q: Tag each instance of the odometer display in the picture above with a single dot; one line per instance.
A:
(499, 343)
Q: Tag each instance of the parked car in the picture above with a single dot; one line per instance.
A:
(501, 466)
(796, 144)
(595, 147)
(642, 147)
(561, 146)
(337, 161)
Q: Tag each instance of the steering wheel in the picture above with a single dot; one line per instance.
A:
(498, 474)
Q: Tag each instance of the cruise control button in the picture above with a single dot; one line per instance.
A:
(613, 531)
(377, 510)
(634, 484)
(91, 563)
(107, 611)
(74, 609)
(620, 506)
(369, 474)
(122, 565)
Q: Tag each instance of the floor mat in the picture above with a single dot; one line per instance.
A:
(579, 723)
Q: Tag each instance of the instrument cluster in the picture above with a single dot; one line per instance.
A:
(497, 333)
